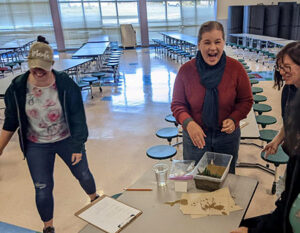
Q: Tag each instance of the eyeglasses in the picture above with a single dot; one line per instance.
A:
(286, 69)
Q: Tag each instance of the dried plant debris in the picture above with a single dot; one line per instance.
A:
(213, 170)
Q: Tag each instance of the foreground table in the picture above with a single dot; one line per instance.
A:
(161, 218)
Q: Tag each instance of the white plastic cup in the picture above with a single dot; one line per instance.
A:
(161, 174)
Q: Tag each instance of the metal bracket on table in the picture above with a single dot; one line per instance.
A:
(251, 144)
(256, 165)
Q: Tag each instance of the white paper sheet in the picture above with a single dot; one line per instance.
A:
(108, 214)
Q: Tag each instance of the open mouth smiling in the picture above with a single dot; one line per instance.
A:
(213, 54)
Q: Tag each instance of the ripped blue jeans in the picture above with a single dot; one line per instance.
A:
(40, 159)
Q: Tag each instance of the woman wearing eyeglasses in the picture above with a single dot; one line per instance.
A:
(287, 70)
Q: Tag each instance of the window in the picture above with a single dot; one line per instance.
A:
(178, 15)
(82, 19)
(25, 19)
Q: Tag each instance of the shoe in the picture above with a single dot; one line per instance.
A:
(49, 230)
(95, 198)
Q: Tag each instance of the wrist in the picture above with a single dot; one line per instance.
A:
(232, 120)
(186, 122)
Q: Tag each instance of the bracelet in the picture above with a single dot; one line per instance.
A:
(186, 122)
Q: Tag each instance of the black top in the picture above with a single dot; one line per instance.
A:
(278, 221)
(287, 95)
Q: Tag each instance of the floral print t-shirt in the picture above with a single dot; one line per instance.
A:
(45, 116)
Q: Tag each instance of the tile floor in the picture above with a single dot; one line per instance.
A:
(122, 122)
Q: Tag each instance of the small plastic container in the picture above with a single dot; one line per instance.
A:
(206, 182)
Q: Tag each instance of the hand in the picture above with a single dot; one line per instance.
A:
(271, 148)
(76, 158)
(228, 126)
(196, 134)
(240, 230)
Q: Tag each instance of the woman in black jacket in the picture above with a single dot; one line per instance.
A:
(278, 220)
(47, 109)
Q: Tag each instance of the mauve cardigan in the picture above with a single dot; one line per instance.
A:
(235, 95)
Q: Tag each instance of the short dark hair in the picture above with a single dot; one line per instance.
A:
(293, 51)
(209, 26)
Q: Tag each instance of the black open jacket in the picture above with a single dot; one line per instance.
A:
(70, 99)
(278, 221)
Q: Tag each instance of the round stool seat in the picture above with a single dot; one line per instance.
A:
(259, 98)
(89, 79)
(251, 76)
(256, 90)
(10, 64)
(161, 152)
(260, 108)
(112, 64)
(83, 84)
(248, 71)
(241, 60)
(98, 74)
(246, 67)
(19, 61)
(265, 120)
(116, 196)
(267, 135)
(168, 133)
(253, 81)
(113, 60)
(115, 56)
(244, 63)
(280, 157)
(170, 118)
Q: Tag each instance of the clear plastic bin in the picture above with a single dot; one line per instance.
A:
(211, 183)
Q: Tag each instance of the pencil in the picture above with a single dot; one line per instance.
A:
(133, 189)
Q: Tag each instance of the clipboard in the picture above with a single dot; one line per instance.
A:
(108, 214)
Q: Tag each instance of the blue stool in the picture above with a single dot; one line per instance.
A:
(267, 135)
(253, 81)
(280, 157)
(259, 98)
(99, 76)
(260, 108)
(265, 120)
(167, 133)
(161, 152)
(171, 118)
(251, 76)
(116, 196)
(256, 90)
(90, 80)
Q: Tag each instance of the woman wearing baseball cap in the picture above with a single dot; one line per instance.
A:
(47, 109)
